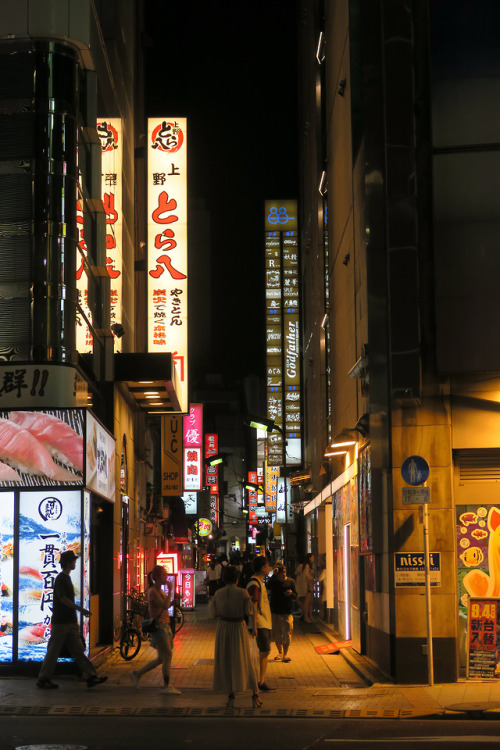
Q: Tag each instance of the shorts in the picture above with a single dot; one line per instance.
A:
(264, 640)
(162, 637)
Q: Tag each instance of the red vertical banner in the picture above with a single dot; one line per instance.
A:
(212, 472)
(252, 498)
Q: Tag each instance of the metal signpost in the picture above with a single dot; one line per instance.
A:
(415, 471)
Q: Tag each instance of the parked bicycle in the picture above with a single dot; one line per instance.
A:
(131, 635)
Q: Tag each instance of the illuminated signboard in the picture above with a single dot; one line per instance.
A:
(187, 588)
(6, 575)
(271, 487)
(190, 500)
(171, 455)
(280, 507)
(41, 448)
(100, 459)
(192, 429)
(110, 136)
(29, 386)
(167, 243)
(204, 526)
(169, 561)
(49, 523)
(212, 472)
(283, 377)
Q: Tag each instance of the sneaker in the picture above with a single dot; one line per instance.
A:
(134, 679)
(93, 681)
(286, 659)
(265, 688)
(278, 657)
(170, 690)
(46, 684)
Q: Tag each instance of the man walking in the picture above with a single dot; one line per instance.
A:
(262, 622)
(64, 629)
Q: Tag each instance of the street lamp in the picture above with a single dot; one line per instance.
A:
(269, 425)
(217, 458)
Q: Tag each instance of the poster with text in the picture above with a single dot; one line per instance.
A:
(50, 522)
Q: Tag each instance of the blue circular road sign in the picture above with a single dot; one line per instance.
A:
(415, 470)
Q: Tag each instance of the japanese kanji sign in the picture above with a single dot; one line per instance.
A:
(192, 430)
(110, 136)
(167, 243)
(483, 638)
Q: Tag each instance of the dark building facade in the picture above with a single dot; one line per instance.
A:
(399, 269)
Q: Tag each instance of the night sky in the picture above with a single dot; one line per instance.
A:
(230, 67)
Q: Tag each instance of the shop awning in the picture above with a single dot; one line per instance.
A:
(151, 380)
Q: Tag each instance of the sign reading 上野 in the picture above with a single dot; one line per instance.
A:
(110, 136)
(283, 332)
(171, 455)
(192, 429)
(167, 243)
(483, 638)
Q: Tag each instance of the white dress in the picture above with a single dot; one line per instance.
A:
(233, 666)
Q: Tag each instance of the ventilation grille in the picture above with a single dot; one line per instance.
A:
(480, 466)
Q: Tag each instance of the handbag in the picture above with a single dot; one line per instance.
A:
(149, 625)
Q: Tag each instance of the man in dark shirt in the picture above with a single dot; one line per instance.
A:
(64, 630)
(283, 595)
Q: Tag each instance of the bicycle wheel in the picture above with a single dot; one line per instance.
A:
(130, 643)
(178, 619)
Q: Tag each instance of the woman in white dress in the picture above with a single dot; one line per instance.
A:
(233, 667)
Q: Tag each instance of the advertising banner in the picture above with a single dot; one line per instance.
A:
(6, 574)
(187, 588)
(271, 488)
(28, 386)
(192, 429)
(212, 472)
(41, 448)
(409, 569)
(49, 523)
(110, 136)
(100, 459)
(483, 638)
(171, 455)
(167, 243)
(190, 500)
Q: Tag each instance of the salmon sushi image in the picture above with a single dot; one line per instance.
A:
(24, 453)
(62, 442)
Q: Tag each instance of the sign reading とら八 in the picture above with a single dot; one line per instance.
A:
(167, 243)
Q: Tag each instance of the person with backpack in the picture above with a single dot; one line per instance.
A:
(261, 623)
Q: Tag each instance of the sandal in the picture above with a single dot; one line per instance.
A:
(256, 701)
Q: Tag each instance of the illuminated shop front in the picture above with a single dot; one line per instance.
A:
(45, 503)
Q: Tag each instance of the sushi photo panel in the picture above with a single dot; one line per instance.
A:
(6, 574)
(50, 522)
(41, 448)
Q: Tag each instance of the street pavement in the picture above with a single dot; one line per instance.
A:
(312, 685)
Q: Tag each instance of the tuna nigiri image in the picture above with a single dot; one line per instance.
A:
(62, 442)
(25, 570)
(23, 452)
(7, 474)
(33, 633)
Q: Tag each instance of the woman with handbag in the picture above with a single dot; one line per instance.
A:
(161, 638)
(233, 667)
